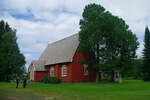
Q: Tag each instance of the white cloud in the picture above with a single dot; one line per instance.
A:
(52, 20)
(34, 36)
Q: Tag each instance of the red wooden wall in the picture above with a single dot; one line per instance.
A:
(58, 67)
(75, 71)
(38, 75)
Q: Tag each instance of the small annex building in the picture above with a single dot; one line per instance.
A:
(62, 59)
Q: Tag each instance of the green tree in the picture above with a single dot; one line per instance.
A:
(146, 56)
(132, 69)
(11, 60)
(107, 39)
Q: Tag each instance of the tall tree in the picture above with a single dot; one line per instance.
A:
(106, 39)
(11, 60)
(146, 56)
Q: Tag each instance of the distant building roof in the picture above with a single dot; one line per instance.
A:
(37, 65)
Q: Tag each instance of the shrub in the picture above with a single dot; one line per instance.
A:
(55, 80)
(45, 79)
(50, 79)
(146, 77)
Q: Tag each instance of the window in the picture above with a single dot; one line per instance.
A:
(64, 70)
(52, 71)
(85, 69)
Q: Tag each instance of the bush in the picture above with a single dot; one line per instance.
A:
(50, 79)
(146, 77)
(55, 80)
(45, 79)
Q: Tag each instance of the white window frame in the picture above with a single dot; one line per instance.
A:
(52, 71)
(85, 69)
(64, 70)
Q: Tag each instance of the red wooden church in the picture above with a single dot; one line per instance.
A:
(61, 59)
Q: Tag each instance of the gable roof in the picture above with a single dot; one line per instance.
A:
(61, 51)
(38, 65)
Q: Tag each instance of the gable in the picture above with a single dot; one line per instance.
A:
(37, 65)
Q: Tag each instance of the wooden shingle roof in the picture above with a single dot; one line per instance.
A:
(37, 65)
(61, 51)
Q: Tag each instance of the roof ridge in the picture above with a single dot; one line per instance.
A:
(62, 39)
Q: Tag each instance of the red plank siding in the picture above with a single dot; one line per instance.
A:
(38, 76)
(75, 71)
(78, 73)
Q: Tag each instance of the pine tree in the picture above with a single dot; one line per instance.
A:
(11, 60)
(107, 39)
(146, 56)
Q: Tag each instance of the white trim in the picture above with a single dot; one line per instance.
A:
(85, 69)
(64, 70)
(52, 71)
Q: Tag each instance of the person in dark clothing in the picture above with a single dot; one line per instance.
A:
(17, 82)
(24, 82)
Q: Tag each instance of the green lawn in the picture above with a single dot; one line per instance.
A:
(129, 90)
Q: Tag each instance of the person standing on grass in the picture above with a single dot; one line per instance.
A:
(17, 82)
(24, 82)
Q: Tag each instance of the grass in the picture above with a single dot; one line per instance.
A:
(129, 90)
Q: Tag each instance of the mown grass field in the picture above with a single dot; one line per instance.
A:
(129, 90)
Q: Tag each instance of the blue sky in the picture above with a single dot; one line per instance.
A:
(39, 22)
